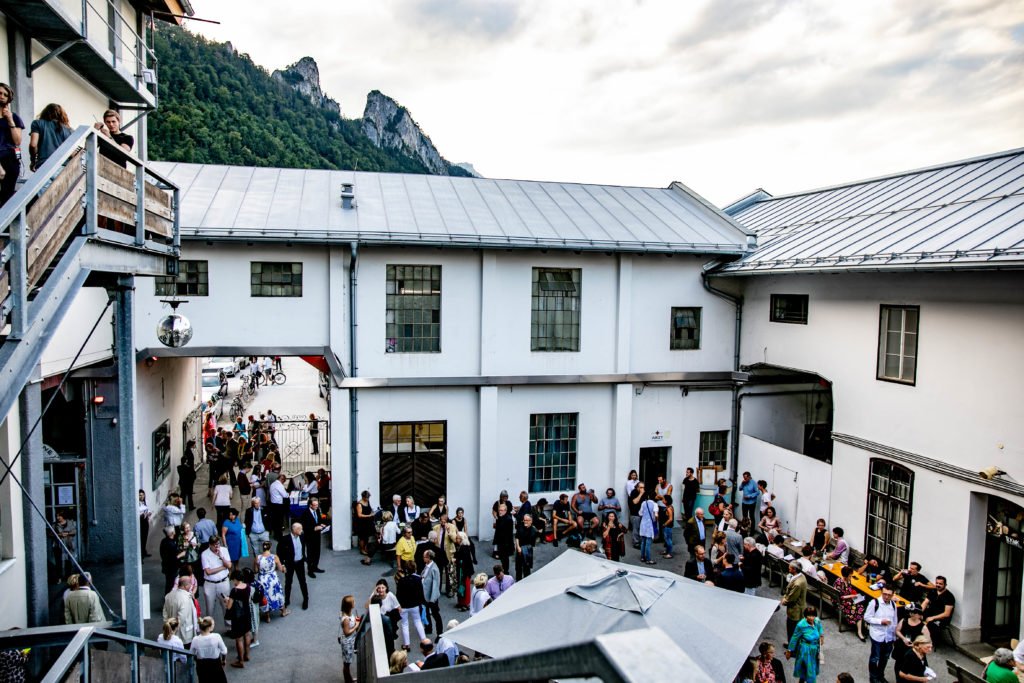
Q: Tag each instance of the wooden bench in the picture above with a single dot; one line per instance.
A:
(962, 675)
(829, 595)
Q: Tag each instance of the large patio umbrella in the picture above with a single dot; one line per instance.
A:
(576, 597)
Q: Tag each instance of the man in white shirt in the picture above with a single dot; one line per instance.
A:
(216, 569)
(880, 616)
(279, 503)
(178, 604)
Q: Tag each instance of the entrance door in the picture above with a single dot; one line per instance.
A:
(653, 464)
(413, 461)
(64, 489)
(1004, 571)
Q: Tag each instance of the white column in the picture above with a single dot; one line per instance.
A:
(622, 461)
(624, 313)
(341, 467)
(488, 457)
(489, 346)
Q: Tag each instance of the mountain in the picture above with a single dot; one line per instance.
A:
(389, 125)
(218, 107)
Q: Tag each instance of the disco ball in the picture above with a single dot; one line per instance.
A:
(174, 330)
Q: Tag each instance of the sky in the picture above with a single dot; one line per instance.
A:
(724, 96)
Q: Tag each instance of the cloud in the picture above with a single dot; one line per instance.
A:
(477, 19)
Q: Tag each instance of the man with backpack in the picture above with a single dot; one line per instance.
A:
(880, 616)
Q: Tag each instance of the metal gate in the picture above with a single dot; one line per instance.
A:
(304, 443)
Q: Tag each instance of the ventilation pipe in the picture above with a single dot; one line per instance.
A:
(353, 399)
(348, 196)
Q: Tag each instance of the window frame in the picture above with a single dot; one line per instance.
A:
(262, 264)
(701, 450)
(402, 344)
(890, 552)
(775, 299)
(698, 314)
(554, 343)
(176, 282)
(568, 458)
(883, 309)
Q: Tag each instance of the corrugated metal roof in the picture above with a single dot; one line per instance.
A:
(965, 214)
(235, 202)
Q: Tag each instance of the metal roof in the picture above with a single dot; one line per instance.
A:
(247, 203)
(960, 215)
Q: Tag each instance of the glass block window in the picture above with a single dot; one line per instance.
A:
(789, 308)
(890, 494)
(555, 318)
(897, 344)
(270, 278)
(552, 452)
(193, 279)
(413, 313)
(685, 328)
(713, 449)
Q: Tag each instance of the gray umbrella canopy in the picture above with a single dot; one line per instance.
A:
(576, 597)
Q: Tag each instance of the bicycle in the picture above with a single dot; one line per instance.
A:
(278, 378)
(237, 407)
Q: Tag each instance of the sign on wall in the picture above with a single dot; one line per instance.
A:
(161, 453)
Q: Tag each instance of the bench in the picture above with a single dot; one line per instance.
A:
(962, 675)
(826, 593)
(857, 558)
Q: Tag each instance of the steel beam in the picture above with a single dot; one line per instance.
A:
(37, 594)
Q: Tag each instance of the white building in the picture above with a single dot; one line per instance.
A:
(891, 312)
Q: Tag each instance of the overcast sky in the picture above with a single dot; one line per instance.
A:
(723, 95)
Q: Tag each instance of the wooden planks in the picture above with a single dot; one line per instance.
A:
(116, 196)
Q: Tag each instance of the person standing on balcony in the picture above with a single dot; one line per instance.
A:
(111, 127)
(11, 127)
(49, 132)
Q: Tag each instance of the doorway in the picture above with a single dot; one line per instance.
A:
(64, 493)
(654, 464)
(413, 461)
(1004, 571)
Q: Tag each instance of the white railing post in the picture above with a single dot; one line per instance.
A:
(19, 276)
(91, 177)
(140, 208)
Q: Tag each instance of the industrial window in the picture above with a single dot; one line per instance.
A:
(685, 328)
(897, 344)
(269, 278)
(555, 319)
(193, 279)
(714, 447)
(413, 312)
(890, 494)
(789, 308)
(552, 452)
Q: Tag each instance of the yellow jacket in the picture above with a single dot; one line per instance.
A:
(405, 549)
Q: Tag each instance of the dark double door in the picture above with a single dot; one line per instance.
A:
(1004, 573)
(653, 464)
(413, 461)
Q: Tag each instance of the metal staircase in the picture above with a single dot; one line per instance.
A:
(80, 219)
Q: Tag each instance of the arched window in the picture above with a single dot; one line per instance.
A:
(890, 494)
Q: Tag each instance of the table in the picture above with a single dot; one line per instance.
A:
(860, 583)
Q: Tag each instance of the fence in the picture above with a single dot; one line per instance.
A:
(304, 444)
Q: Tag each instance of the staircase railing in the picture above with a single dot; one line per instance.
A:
(85, 654)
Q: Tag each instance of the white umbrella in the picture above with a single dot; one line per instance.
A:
(576, 597)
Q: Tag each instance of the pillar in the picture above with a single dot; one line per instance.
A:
(344, 455)
(622, 431)
(488, 458)
(36, 542)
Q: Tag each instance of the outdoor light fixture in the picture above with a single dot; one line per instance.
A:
(174, 330)
(97, 400)
(991, 473)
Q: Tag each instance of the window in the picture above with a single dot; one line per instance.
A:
(552, 452)
(276, 279)
(555, 321)
(890, 489)
(897, 344)
(193, 279)
(713, 449)
(789, 308)
(685, 328)
(413, 311)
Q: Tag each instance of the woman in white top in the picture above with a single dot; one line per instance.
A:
(222, 499)
(631, 481)
(144, 515)
(481, 598)
(174, 511)
(412, 510)
(388, 537)
(171, 637)
(210, 651)
(311, 488)
(258, 484)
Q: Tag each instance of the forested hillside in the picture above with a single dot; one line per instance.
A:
(218, 107)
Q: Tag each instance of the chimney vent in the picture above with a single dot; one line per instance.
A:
(348, 196)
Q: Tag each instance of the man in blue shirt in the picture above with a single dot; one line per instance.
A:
(748, 487)
(204, 529)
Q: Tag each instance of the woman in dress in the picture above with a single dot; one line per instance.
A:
(907, 630)
(411, 510)
(718, 550)
(233, 534)
(144, 516)
(347, 636)
(632, 479)
(914, 665)
(820, 538)
(851, 613)
(267, 566)
(462, 526)
(210, 651)
(770, 524)
(188, 543)
(614, 537)
(766, 668)
(805, 646)
(364, 525)
(464, 570)
(437, 509)
(236, 605)
(255, 598)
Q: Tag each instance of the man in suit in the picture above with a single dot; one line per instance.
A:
(698, 567)
(312, 525)
(169, 558)
(397, 510)
(795, 597)
(291, 550)
(257, 525)
(696, 532)
(431, 659)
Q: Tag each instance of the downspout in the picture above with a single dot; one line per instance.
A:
(737, 302)
(353, 402)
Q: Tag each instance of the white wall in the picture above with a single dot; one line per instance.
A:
(780, 420)
(13, 582)
(72, 331)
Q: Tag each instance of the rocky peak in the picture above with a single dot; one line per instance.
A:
(390, 125)
(304, 76)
